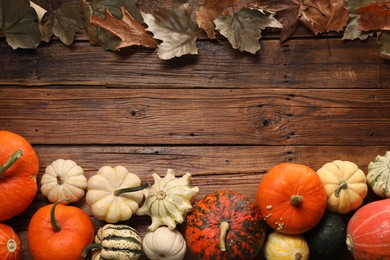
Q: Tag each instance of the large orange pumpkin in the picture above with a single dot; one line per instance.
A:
(10, 248)
(58, 231)
(19, 166)
(292, 198)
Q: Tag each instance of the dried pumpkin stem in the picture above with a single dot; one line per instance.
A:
(298, 256)
(133, 189)
(14, 157)
(342, 186)
(54, 223)
(93, 246)
(296, 200)
(223, 228)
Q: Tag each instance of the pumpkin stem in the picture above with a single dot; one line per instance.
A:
(349, 242)
(133, 189)
(296, 200)
(298, 256)
(342, 186)
(54, 223)
(11, 245)
(223, 227)
(14, 157)
(90, 247)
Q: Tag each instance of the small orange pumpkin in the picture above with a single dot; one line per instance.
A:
(10, 248)
(58, 231)
(291, 198)
(19, 166)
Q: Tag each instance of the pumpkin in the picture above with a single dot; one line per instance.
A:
(168, 200)
(368, 232)
(164, 243)
(291, 198)
(19, 166)
(115, 242)
(58, 231)
(279, 246)
(10, 247)
(345, 185)
(114, 194)
(225, 225)
(63, 179)
(328, 236)
(378, 175)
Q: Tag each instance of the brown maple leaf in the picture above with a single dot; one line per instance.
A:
(208, 12)
(322, 16)
(127, 29)
(375, 16)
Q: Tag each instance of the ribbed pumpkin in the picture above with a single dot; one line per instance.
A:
(225, 225)
(291, 198)
(280, 246)
(368, 232)
(10, 247)
(115, 242)
(378, 175)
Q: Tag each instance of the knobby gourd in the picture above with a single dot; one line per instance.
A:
(345, 185)
(63, 179)
(10, 246)
(19, 166)
(291, 198)
(168, 200)
(378, 175)
(279, 246)
(119, 242)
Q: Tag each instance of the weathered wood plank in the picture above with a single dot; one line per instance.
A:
(196, 116)
(300, 63)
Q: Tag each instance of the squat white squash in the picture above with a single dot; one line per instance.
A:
(63, 179)
(164, 244)
(378, 175)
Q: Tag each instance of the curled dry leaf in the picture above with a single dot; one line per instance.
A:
(375, 16)
(351, 31)
(384, 43)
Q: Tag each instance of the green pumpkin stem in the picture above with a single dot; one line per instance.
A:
(342, 186)
(132, 189)
(296, 200)
(54, 223)
(14, 157)
(90, 247)
(223, 228)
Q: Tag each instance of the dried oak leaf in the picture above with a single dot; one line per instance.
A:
(384, 44)
(375, 16)
(19, 24)
(127, 29)
(176, 28)
(351, 31)
(243, 29)
(322, 16)
(208, 12)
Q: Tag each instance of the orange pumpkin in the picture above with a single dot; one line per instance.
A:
(58, 231)
(19, 166)
(291, 198)
(10, 248)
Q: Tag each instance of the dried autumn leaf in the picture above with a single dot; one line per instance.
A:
(322, 16)
(375, 16)
(18, 23)
(351, 31)
(177, 29)
(129, 30)
(208, 12)
(384, 44)
(243, 29)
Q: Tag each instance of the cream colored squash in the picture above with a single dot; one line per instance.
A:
(63, 179)
(345, 185)
(168, 200)
(378, 175)
(114, 194)
(280, 246)
(164, 243)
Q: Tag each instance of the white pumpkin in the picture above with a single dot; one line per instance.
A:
(63, 179)
(114, 194)
(168, 200)
(164, 243)
(378, 175)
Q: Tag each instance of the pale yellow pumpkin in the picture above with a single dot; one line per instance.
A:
(280, 246)
(345, 185)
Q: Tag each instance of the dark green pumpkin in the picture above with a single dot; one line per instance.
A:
(328, 236)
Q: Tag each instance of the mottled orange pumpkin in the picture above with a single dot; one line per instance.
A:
(292, 198)
(10, 248)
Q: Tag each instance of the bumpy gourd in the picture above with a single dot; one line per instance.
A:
(168, 200)
(114, 194)
(120, 242)
(164, 243)
(280, 246)
(63, 179)
(345, 185)
(378, 175)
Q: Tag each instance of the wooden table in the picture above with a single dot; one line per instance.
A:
(224, 116)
